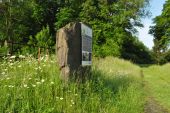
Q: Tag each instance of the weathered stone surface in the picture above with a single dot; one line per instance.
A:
(69, 49)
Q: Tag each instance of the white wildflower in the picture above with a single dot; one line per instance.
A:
(42, 80)
(38, 83)
(72, 102)
(52, 83)
(25, 85)
(61, 98)
(10, 86)
(19, 66)
(21, 56)
(3, 73)
(8, 78)
(42, 58)
(12, 57)
(33, 85)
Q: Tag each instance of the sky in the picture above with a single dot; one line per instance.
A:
(156, 7)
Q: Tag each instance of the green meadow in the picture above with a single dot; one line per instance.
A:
(29, 87)
(158, 83)
(113, 86)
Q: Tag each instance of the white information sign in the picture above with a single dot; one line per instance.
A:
(86, 35)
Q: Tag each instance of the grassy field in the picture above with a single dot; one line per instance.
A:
(158, 82)
(114, 86)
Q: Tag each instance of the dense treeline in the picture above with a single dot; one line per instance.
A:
(161, 33)
(34, 22)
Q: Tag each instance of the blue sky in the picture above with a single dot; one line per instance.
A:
(156, 7)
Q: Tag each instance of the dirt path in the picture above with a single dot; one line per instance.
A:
(153, 106)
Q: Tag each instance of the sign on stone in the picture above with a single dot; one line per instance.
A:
(86, 35)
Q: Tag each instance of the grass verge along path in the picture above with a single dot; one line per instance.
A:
(158, 81)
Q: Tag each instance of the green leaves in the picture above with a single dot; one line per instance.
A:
(43, 38)
(161, 32)
(64, 17)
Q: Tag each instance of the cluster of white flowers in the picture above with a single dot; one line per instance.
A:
(12, 57)
(3, 73)
(33, 85)
(59, 98)
(26, 86)
(11, 86)
(38, 83)
(21, 56)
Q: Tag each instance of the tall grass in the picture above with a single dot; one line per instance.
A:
(27, 87)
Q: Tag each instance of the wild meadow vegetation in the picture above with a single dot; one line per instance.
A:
(113, 85)
(27, 86)
(158, 80)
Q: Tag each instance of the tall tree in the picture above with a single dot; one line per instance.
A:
(161, 32)
(113, 22)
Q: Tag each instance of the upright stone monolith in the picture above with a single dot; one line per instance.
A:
(71, 40)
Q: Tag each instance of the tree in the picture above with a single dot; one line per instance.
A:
(113, 23)
(15, 22)
(161, 33)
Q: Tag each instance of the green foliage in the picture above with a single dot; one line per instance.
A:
(3, 51)
(113, 22)
(161, 33)
(43, 38)
(135, 51)
(64, 17)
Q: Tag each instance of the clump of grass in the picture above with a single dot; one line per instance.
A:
(26, 86)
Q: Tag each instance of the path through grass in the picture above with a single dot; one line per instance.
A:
(158, 82)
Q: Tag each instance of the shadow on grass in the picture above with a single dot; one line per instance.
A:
(99, 80)
(145, 65)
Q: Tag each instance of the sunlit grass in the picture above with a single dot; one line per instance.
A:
(158, 78)
(27, 86)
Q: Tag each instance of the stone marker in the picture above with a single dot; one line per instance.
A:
(70, 41)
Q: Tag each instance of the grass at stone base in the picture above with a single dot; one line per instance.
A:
(26, 87)
(158, 80)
